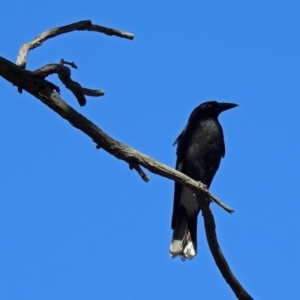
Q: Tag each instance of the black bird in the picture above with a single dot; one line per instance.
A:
(199, 151)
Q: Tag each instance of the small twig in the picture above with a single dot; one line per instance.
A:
(215, 199)
(92, 93)
(72, 64)
(219, 202)
(139, 170)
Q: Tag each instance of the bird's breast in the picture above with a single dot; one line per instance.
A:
(204, 151)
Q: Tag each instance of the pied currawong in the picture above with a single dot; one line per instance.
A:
(200, 149)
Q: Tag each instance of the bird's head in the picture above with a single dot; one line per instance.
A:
(210, 109)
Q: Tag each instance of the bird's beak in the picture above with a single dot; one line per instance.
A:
(225, 106)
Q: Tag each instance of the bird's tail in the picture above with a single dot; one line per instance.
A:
(184, 240)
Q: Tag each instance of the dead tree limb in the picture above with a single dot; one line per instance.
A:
(36, 84)
(44, 91)
(212, 240)
(64, 74)
(81, 25)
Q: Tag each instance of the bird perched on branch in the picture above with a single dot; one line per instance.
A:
(199, 151)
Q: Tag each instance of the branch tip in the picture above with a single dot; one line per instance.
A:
(220, 203)
(139, 170)
(63, 62)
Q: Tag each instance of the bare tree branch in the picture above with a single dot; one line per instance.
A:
(43, 90)
(215, 249)
(36, 84)
(64, 74)
(219, 202)
(82, 25)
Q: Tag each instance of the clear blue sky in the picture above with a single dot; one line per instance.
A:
(76, 223)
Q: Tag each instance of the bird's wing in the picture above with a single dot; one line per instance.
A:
(180, 135)
(182, 142)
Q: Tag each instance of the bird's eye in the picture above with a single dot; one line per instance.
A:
(210, 105)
